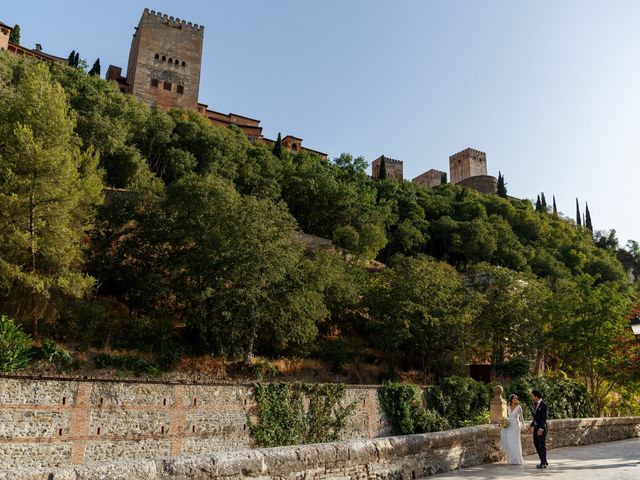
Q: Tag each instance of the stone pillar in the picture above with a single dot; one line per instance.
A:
(498, 405)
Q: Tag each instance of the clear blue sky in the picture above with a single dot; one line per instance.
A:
(549, 89)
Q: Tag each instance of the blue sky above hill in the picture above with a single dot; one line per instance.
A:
(550, 90)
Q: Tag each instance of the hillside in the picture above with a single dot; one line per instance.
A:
(195, 251)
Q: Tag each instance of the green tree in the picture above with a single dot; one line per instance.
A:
(502, 186)
(538, 204)
(443, 178)
(95, 69)
(76, 60)
(578, 217)
(543, 202)
(72, 58)
(588, 223)
(14, 36)
(47, 196)
(382, 172)
(555, 209)
(277, 147)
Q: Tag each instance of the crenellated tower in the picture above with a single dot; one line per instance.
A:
(164, 61)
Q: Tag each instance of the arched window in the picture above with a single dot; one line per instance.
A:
(184, 64)
(157, 56)
(170, 60)
(180, 89)
(163, 58)
(177, 62)
(294, 147)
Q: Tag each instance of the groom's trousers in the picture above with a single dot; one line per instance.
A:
(539, 441)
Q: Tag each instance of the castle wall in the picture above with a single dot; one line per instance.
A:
(429, 179)
(4, 37)
(164, 61)
(394, 168)
(482, 183)
(48, 423)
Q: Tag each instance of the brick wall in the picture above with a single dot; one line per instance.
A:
(411, 456)
(48, 423)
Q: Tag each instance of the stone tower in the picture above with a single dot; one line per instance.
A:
(467, 163)
(393, 167)
(164, 61)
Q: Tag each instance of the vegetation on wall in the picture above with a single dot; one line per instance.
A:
(296, 413)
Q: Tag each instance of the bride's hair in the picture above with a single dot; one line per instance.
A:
(511, 397)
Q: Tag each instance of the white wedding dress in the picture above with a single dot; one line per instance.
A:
(510, 437)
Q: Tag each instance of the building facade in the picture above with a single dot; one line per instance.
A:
(393, 167)
(467, 163)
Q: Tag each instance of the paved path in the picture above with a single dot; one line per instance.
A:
(602, 461)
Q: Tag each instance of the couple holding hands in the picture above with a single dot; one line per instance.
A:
(510, 436)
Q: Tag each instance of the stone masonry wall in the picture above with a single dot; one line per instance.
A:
(49, 423)
(407, 457)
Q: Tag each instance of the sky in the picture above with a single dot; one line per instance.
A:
(549, 90)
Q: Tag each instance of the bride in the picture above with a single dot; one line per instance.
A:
(510, 436)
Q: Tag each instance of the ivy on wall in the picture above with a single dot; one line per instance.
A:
(297, 413)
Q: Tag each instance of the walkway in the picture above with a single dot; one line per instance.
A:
(601, 461)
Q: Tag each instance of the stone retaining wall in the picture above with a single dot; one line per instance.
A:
(408, 457)
(49, 423)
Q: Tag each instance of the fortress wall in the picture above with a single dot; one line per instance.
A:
(49, 423)
(407, 457)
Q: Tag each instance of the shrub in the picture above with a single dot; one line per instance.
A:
(130, 363)
(403, 405)
(459, 399)
(15, 346)
(515, 368)
(55, 354)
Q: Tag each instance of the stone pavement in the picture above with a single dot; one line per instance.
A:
(602, 461)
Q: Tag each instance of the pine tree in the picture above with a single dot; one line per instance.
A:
(538, 204)
(578, 217)
(95, 70)
(382, 172)
(277, 147)
(14, 36)
(443, 178)
(587, 220)
(555, 209)
(72, 58)
(502, 187)
(76, 60)
(543, 202)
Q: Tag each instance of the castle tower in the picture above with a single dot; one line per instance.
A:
(467, 163)
(164, 61)
(393, 167)
(5, 31)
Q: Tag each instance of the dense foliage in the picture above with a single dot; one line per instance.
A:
(195, 249)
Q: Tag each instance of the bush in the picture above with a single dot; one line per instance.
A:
(515, 368)
(335, 352)
(459, 399)
(130, 363)
(55, 354)
(403, 405)
(15, 346)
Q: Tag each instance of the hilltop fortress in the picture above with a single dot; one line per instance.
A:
(164, 69)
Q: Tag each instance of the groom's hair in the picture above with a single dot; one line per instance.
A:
(536, 393)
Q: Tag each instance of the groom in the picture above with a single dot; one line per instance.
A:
(539, 425)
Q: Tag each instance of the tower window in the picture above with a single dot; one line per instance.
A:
(154, 82)
(157, 56)
(167, 86)
(170, 60)
(184, 64)
(163, 58)
(177, 62)
(180, 89)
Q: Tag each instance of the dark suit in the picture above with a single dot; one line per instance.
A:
(540, 423)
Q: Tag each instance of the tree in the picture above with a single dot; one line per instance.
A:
(71, 61)
(47, 196)
(382, 172)
(76, 60)
(587, 222)
(443, 178)
(538, 204)
(555, 209)
(14, 36)
(277, 147)
(543, 202)
(502, 186)
(578, 217)
(95, 70)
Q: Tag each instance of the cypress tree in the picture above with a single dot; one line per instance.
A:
(14, 36)
(555, 209)
(382, 173)
(443, 178)
(277, 147)
(502, 187)
(95, 70)
(543, 201)
(72, 58)
(587, 220)
(538, 204)
(578, 217)
(76, 60)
